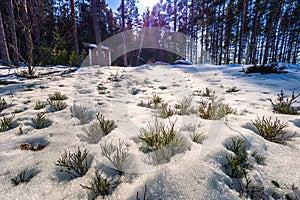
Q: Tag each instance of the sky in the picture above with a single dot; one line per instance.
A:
(142, 5)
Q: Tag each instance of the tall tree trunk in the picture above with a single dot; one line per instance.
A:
(253, 52)
(202, 36)
(279, 30)
(3, 44)
(28, 37)
(14, 41)
(296, 51)
(175, 15)
(236, 42)
(192, 32)
(96, 25)
(124, 34)
(242, 32)
(75, 35)
(269, 32)
(222, 35)
(34, 11)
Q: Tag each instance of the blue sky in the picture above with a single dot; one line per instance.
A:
(114, 4)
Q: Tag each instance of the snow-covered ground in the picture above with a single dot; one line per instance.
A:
(198, 173)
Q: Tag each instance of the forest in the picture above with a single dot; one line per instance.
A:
(219, 31)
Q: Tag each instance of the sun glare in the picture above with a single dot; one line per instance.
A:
(148, 3)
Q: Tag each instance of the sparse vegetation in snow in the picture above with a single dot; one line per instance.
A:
(284, 105)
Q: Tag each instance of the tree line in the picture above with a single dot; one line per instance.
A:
(219, 31)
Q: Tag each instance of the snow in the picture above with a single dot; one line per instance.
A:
(195, 174)
(182, 62)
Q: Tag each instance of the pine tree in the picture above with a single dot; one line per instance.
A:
(3, 44)
(14, 41)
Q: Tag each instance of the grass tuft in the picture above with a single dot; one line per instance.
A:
(214, 109)
(6, 123)
(75, 164)
(184, 107)
(161, 142)
(106, 126)
(22, 177)
(57, 105)
(3, 104)
(57, 96)
(39, 105)
(100, 185)
(40, 121)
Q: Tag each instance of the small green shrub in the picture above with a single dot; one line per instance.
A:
(237, 164)
(157, 136)
(161, 142)
(57, 105)
(165, 111)
(82, 113)
(237, 167)
(6, 123)
(40, 121)
(74, 59)
(75, 164)
(156, 100)
(100, 185)
(22, 177)
(214, 109)
(39, 105)
(3, 104)
(60, 57)
(116, 154)
(57, 96)
(184, 107)
(237, 146)
(106, 125)
(272, 130)
(285, 106)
